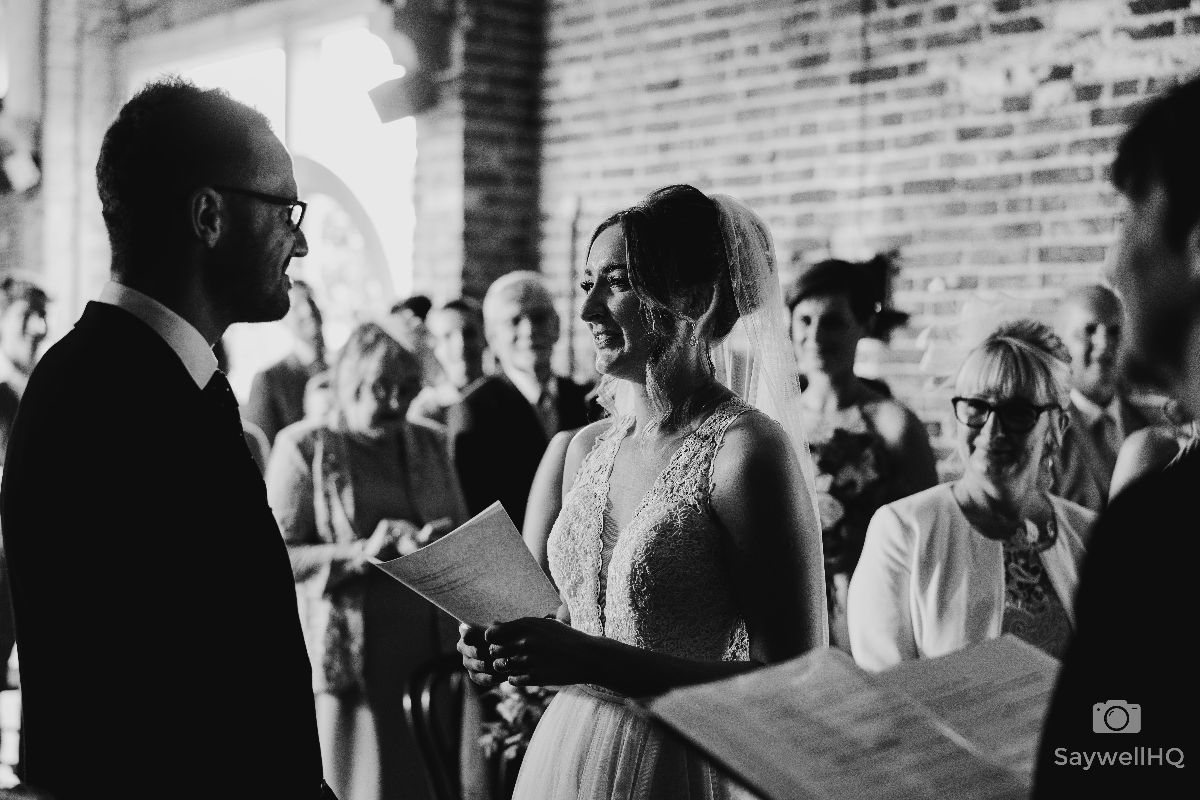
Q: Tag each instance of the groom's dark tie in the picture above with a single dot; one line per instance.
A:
(219, 395)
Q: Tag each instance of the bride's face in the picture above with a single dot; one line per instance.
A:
(612, 310)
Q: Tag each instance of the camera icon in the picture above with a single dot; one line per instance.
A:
(1116, 716)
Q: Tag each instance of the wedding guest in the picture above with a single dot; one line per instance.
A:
(1137, 594)
(277, 393)
(992, 552)
(360, 484)
(869, 449)
(688, 544)
(522, 328)
(407, 322)
(413, 310)
(160, 645)
(1090, 320)
(22, 330)
(455, 336)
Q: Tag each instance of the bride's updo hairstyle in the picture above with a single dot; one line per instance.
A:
(678, 267)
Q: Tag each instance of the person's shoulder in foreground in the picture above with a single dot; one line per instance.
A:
(1124, 709)
(1125, 705)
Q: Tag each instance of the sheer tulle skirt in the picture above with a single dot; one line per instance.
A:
(589, 746)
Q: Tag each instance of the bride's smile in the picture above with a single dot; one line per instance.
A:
(612, 309)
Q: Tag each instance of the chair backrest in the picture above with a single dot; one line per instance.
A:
(433, 702)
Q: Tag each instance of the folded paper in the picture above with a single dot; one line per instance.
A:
(479, 573)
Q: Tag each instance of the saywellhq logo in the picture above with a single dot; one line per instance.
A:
(1118, 716)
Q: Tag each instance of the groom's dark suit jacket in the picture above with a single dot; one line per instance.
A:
(161, 650)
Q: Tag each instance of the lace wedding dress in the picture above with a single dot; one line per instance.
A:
(661, 583)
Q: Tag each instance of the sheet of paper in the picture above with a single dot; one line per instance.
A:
(481, 572)
(820, 727)
(996, 694)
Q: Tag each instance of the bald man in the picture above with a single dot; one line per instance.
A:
(1089, 321)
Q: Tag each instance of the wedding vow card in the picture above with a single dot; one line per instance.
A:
(965, 725)
(479, 573)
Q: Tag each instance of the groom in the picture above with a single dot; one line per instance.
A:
(161, 650)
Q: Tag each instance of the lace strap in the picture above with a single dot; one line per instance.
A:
(689, 474)
(599, 459)
(728, 411)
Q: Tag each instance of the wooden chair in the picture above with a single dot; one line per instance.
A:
(433, 702)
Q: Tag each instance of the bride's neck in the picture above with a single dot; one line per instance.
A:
(699, 393)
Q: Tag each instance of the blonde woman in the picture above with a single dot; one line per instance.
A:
(992, 552)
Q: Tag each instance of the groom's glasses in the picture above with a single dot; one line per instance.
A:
(1017, 416)
(295, 208)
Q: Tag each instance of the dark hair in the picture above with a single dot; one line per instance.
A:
(14, 288)
(171, 138)
(418, 304)
(466, 306)
(1160, 149)
(676, 255)
(678, 267)
(865, 284)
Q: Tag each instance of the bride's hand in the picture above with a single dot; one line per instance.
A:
(474, 656)
(536, 651)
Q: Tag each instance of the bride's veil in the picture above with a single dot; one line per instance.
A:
(758, 363)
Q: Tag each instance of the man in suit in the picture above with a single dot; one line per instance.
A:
(521, 326)
(1127, 684)
(496, 436)
(161, 649)
(1090, 319)
(22, 330)
(277, 393)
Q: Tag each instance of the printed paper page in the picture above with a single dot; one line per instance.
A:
(995, 693)
(479, 573)
(819, 727)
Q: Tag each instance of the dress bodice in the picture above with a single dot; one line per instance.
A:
(667, 586)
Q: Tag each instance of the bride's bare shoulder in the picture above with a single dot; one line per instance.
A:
(754, 436)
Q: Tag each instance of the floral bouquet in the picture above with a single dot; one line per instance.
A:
(517, 712)
(849, 490)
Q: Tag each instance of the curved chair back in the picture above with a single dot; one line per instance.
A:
(433, 702)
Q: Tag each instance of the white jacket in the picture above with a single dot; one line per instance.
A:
(929, 584)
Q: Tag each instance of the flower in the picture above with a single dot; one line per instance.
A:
(517, 712)
(831, 509)
(850, 487)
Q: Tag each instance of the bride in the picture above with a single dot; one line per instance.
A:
(687, 548)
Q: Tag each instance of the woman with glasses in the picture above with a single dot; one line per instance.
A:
(993, 552)
(359, 484)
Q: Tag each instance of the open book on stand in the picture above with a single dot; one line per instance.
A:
(962, 726)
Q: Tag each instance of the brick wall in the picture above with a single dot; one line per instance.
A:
(477, 154)
(973, 136)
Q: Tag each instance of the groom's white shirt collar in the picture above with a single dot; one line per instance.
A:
(179, 334)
